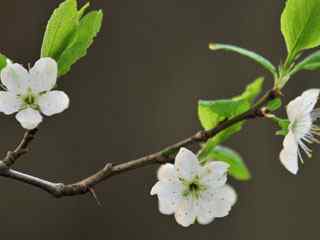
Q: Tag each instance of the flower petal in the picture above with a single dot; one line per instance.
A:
(229, 194)
(43, 75)
(53, 102)
(289, 153)
(16, 78)
(29, 118)
(310, 98)
(169, 195)
(167, 173)
(302, 126)
(185, 214)
(223, 200)
(187, 164)
(214, 173)
(9, 103)
(205, 213)
(166, 207)
(303, 105)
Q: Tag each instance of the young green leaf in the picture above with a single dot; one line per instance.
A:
(238, 168)
(300, 25)
(219, 138)
(88, 28)
(252, 90)
(252, 55)
(211, 113)
(3, 61)
(83, 10)
(60, 28)
(312, 62)
(283, 124)
(274, 105)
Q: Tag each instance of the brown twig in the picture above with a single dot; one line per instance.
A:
(22, 148)
(87, 185)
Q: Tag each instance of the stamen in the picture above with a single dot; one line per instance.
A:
(306, 149)
(300, 156)
(310, 136)
(315, 129)
(315, 114)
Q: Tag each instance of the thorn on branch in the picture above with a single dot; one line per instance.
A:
(94, 195)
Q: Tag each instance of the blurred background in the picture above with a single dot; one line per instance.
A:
(135, 93)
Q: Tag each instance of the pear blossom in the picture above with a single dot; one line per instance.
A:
(301, 130)
(29, 93)
(193, 192)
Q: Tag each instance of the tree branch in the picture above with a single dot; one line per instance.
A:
(21, 149)
(87, 185)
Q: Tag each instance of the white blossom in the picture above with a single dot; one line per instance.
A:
(30, 92)
(302, 130)
(193, 192)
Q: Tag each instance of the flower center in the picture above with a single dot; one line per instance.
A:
(29, 100)
(193, 188)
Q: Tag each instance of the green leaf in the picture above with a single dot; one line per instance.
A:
(219, 138)
(238, 168)
(300, 25)
(3, 61)
(60, 29)
(251, 91)
(211, 113)
(88, 28)
(252, 55)
(274, 105)
(83, 10)
(283, 124)
(312, 62)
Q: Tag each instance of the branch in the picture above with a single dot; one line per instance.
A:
(21, 149)
(166, 155)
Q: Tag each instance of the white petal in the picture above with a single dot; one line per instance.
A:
(29, 118)
(169, 195)
(205, 213)
(43, 75)
(165, 207)
(228, 194)
(302, 105)
(223, 200)
(169, 191)
(289, 153)
(310, 98)
(187, 164)
(16, 78)
(185, 214)
(167, 173)
(302, 126)
(156, 188)
(9, 102)
(214, 173)
(215, 203)
(53, 102)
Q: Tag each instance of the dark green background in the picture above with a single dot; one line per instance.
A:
(136, 92)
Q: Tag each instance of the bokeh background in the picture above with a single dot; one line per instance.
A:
(136, 92)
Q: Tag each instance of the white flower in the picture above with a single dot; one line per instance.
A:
(301, 114)
(29, 92)
(192, 191)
